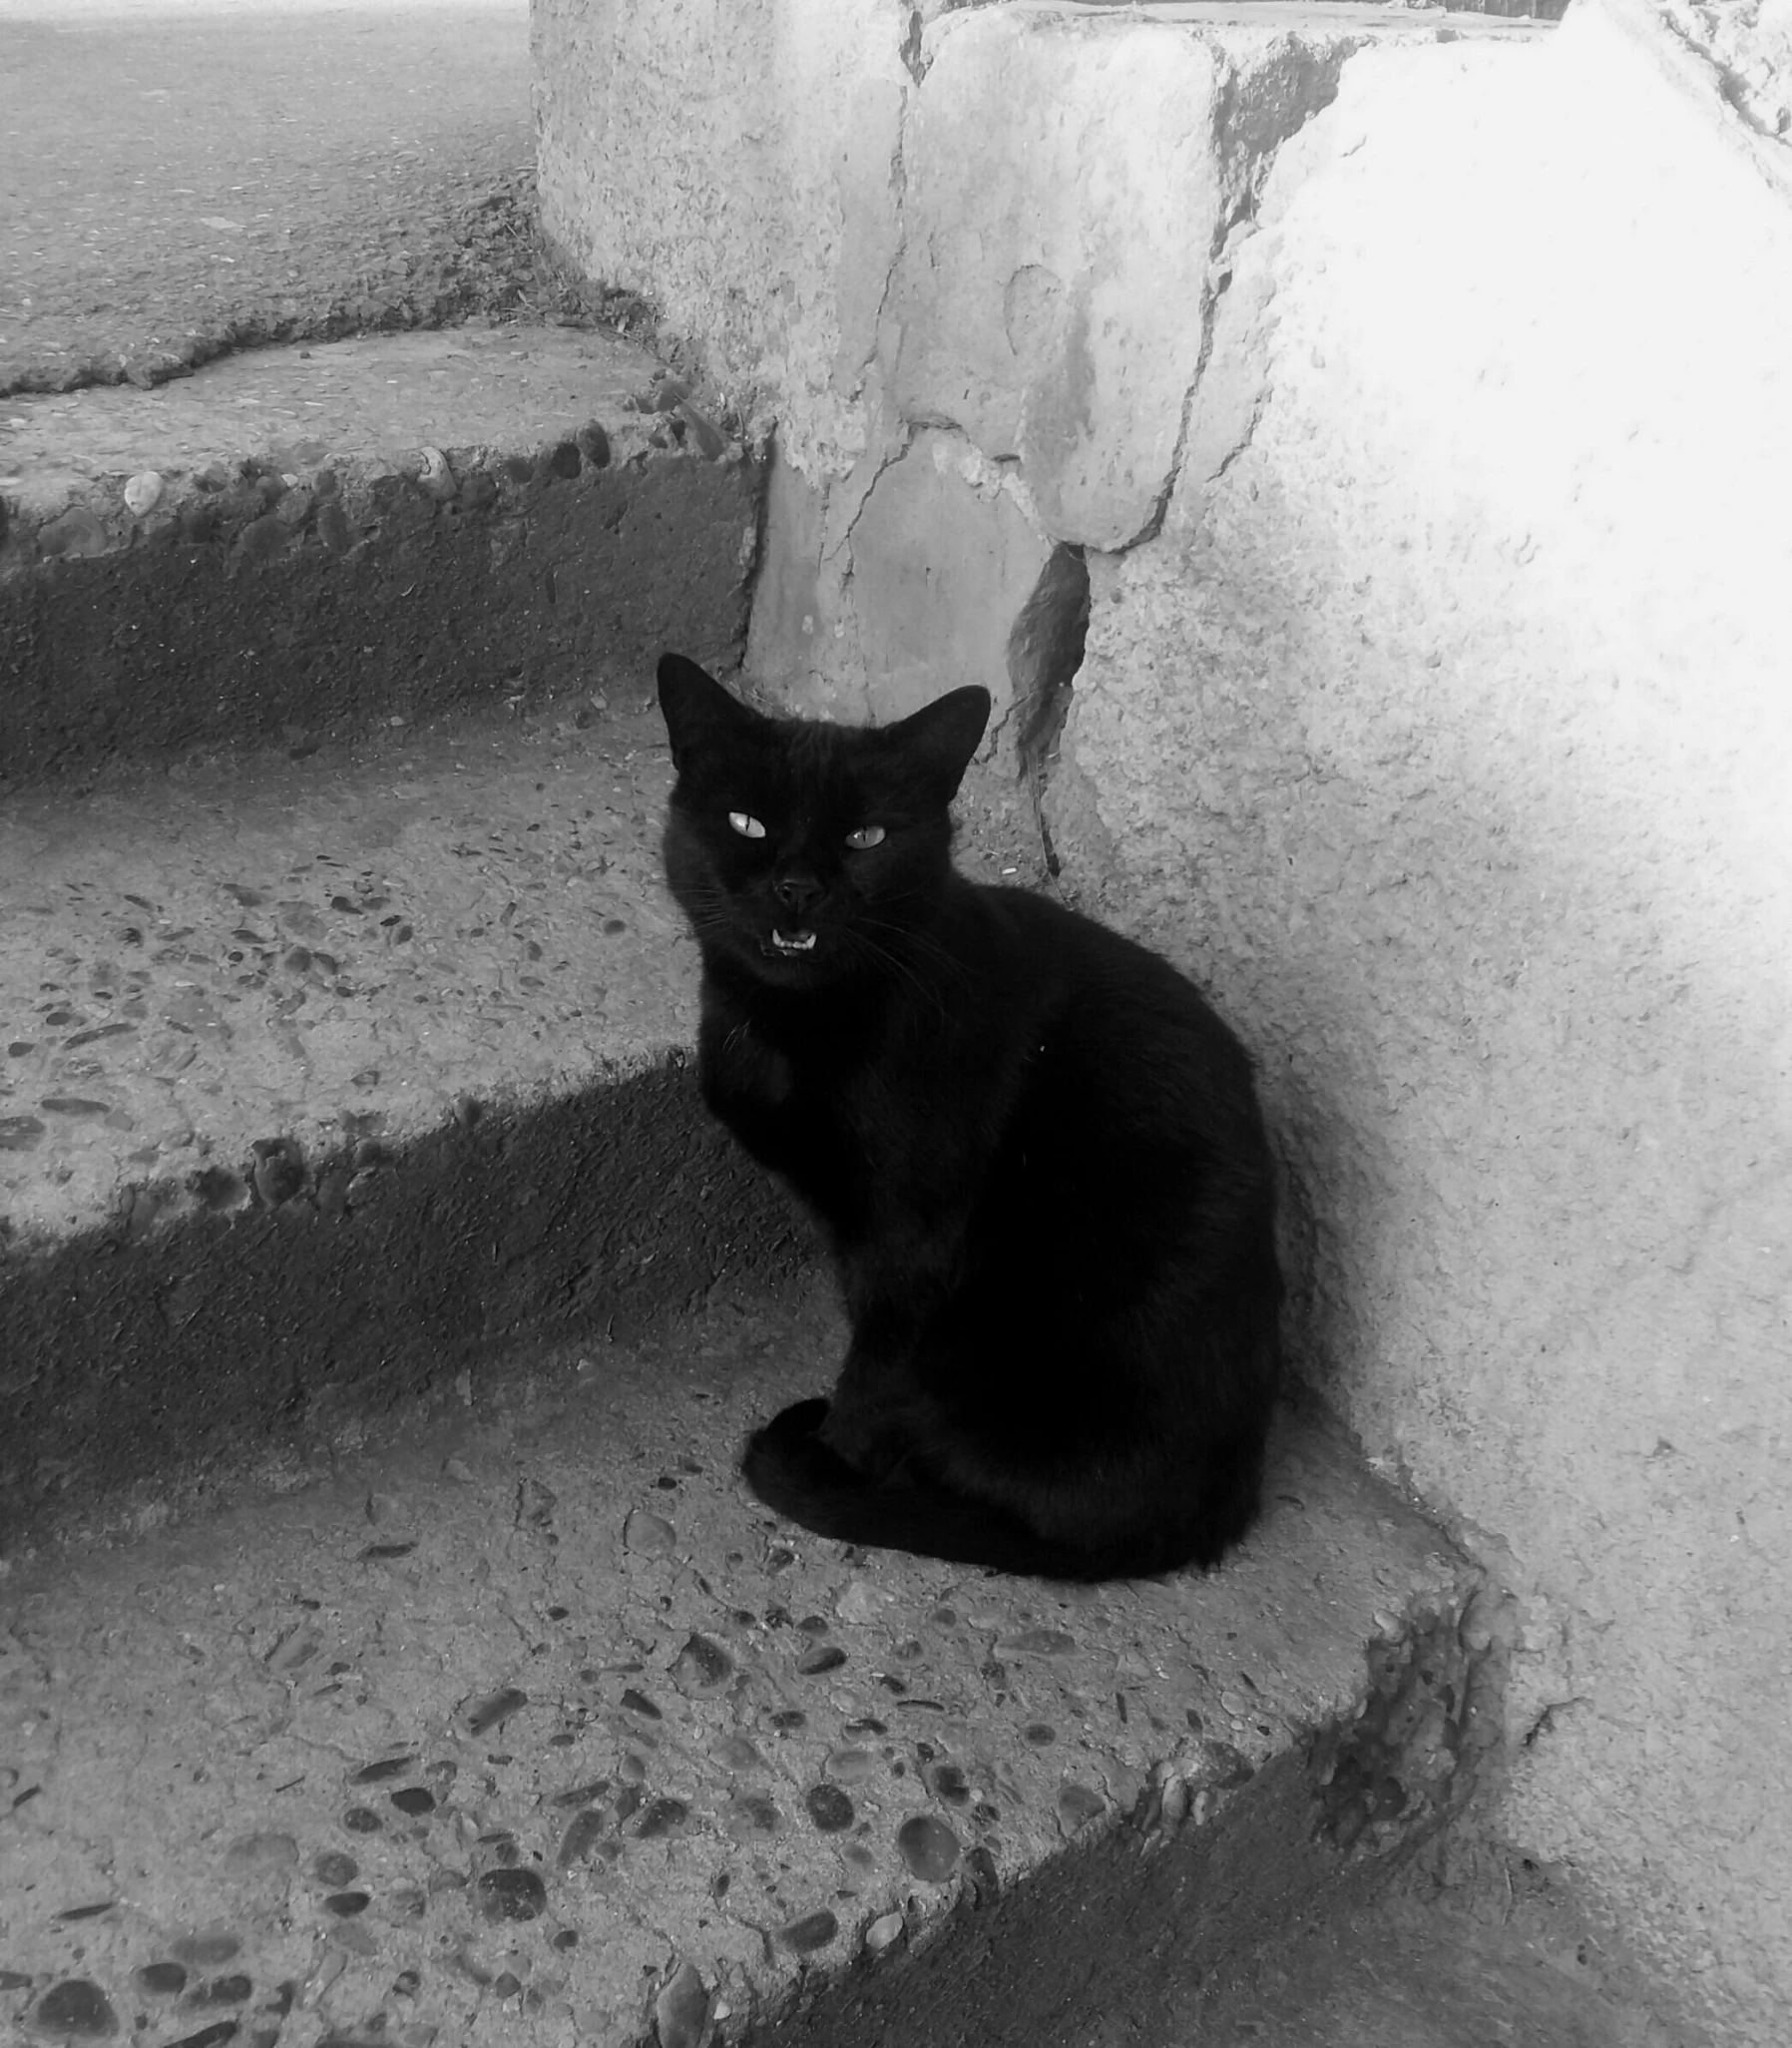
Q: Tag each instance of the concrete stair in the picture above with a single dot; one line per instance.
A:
(524, 1723)
(390, 1652)
(267, 1007)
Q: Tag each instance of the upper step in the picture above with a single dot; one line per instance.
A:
(308, 541)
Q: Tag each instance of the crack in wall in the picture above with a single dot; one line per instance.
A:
(1253, 117)
(1045, 652)
(1429, 1726)
(916, 64)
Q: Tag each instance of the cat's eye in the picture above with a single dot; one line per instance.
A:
(747, 828)
(866, 835)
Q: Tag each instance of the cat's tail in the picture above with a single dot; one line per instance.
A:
(792, 1470)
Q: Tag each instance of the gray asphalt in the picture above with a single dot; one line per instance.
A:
(173, 184)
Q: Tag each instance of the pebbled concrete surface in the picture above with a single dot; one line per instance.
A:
(531, 1725)
(376, 398)
(179, 181)
(352, 945)
(322, 1077)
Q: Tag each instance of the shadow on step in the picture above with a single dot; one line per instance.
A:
(222, 1318)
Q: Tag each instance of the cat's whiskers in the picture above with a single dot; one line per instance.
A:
(885, 956)
(924, 945)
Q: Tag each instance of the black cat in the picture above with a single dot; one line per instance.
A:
(1036, 1151)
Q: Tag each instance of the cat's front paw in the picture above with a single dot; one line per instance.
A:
(874, 1445)
(790, 1425)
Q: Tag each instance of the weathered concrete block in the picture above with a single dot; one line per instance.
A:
(944, 556)
(1444, 732)
(1063, 195)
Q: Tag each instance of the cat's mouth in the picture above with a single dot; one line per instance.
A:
(792, 942)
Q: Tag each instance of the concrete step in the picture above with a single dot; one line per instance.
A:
(528, 1724)
(304, 542)
(322, 1077)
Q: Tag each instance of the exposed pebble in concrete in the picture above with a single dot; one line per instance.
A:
(494, 1708)
(811, 1932)
(829, 1809)
(648, 1533)
(882, 1932)
(929, 1847)
(681, 2010)
(1078, 1804)
(75, 2010)
(702, 1666)
(512, 1895)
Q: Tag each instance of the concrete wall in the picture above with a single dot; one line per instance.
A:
(1418, 406)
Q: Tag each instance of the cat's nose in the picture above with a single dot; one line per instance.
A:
(796, 892)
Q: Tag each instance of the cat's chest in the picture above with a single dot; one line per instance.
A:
(801, 1085)
(741, 1065)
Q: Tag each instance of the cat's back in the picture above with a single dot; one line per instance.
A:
(1117, 1025)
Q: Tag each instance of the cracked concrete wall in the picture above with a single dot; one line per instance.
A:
(1390, 420)
(1443, 730)
(1059, 183)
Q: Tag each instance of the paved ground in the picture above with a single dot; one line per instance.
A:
(173, 181)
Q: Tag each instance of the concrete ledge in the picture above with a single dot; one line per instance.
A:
(322, 1077)
(532, 1726)
(300, 542)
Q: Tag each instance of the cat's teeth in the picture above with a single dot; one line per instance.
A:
(802, 942)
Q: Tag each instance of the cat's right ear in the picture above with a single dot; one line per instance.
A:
(696, 708)
(938, 741)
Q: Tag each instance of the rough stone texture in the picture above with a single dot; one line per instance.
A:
(1047, 310)
(1444, 733)
(1051, 258)
(1748, 46)
(410, 521)
(942, 545)
(707, 154)
(360, 1067)
(431, 1753)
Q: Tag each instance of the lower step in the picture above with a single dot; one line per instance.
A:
(531, 1725)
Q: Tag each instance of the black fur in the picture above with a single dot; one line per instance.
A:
(1037, 1153)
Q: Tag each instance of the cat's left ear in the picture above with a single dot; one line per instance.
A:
(696, 708)
(938, 741)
